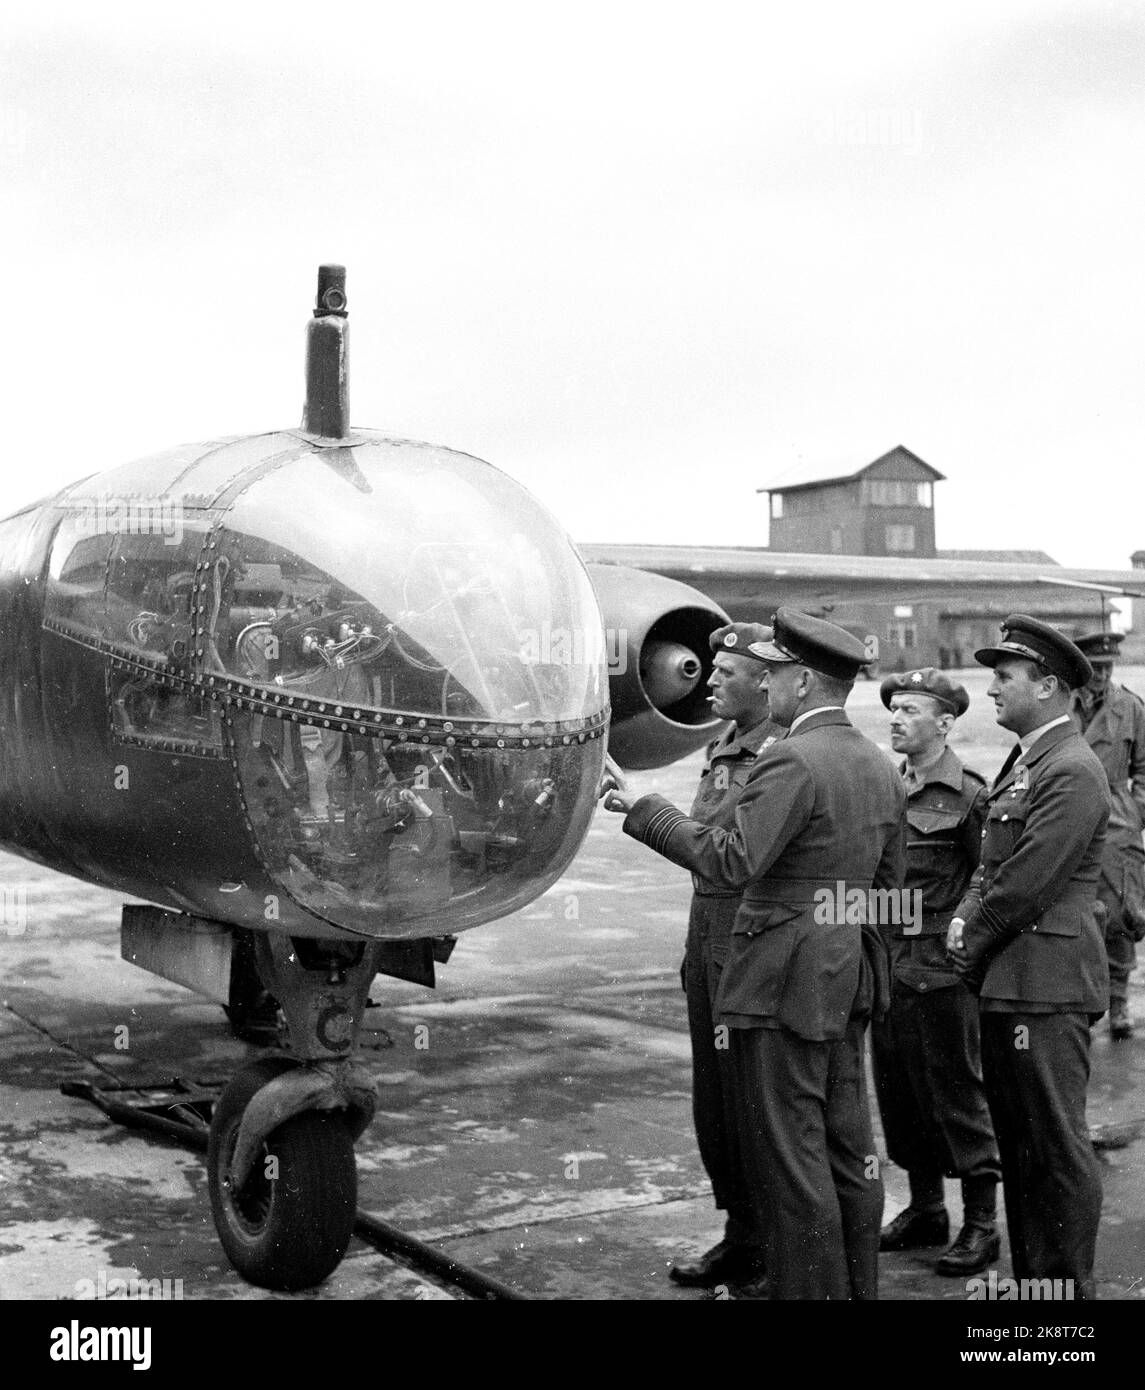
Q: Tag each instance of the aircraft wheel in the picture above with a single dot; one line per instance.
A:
(289, 1225)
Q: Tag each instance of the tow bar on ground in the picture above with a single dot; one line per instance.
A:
(183, 1112)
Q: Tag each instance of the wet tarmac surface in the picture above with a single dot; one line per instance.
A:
(534, 1110)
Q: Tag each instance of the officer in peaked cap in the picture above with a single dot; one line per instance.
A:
(820, 811)
(927, 1053)
(1112, 721)
(1102, 647)
(814, 643)
(1039, 642)
(738, 694)
(1026, 938)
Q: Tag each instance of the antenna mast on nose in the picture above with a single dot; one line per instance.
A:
(327, 409)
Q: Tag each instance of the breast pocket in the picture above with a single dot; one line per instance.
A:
(932, 834)
(740, 772)
(929, 821)
(1006, 823)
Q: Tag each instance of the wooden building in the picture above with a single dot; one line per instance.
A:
(886, 508)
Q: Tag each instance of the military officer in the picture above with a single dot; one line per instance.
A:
(927, 1056)
(818, 823)
(737, 683)
(1113, 722)
(1026, 937)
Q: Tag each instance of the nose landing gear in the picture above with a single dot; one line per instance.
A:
(280, 1158)
(288, 1222)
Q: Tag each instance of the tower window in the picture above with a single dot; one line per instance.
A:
(896, 492)
(900, 537)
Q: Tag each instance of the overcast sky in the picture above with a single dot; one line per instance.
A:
(643, 258)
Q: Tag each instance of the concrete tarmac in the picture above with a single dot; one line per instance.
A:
(534, 1113)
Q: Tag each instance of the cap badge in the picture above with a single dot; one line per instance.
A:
(730, 639)
(916, 679)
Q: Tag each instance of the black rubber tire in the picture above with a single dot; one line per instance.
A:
(288, 1232)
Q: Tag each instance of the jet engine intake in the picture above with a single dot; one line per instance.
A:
(659, 664)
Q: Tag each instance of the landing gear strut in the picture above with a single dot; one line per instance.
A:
(280, 1160)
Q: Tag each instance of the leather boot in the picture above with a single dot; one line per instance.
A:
(724, 1263)
(1120, 1024)
(912, 1230)
(977, 1247)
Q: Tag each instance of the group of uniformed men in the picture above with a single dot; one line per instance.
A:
(977, 930)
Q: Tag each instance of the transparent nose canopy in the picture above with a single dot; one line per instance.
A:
(418, 690)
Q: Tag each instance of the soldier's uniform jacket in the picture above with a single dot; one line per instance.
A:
(820, 809)
(1031, 934)
(944, 839)
(728, 762)
(1116, 733)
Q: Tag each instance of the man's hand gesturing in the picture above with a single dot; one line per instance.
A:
(614, 789)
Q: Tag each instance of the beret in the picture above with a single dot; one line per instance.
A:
(927, 681)
(1100, 646)
(737, 638)
(1038, 641)
(816, 643)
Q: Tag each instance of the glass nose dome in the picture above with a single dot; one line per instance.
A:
(415, 667)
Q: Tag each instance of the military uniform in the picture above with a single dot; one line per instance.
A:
(820, 810)
(1034, 949)
(1115, 729)
(927, 1054)
(728, 764)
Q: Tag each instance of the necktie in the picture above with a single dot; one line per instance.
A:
(1015, 754)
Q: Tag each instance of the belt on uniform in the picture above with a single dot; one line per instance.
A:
(703, 889)
(803, 891)
(931, 924)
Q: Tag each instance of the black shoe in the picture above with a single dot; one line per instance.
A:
(911, 1230)
(1120, 1024)
(722, 1264)
(975, 1248)
(754, 1291)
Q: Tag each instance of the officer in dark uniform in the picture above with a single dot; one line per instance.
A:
(818, 824)
(927, 1054)
(737, 683)
(1113, 722)
(1026, 936)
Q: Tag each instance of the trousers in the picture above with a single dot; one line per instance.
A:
(809, 1161)
(715, 1107)
(1036, 1070)
(928, 1079)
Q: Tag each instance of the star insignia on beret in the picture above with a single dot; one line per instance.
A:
(916, 679)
